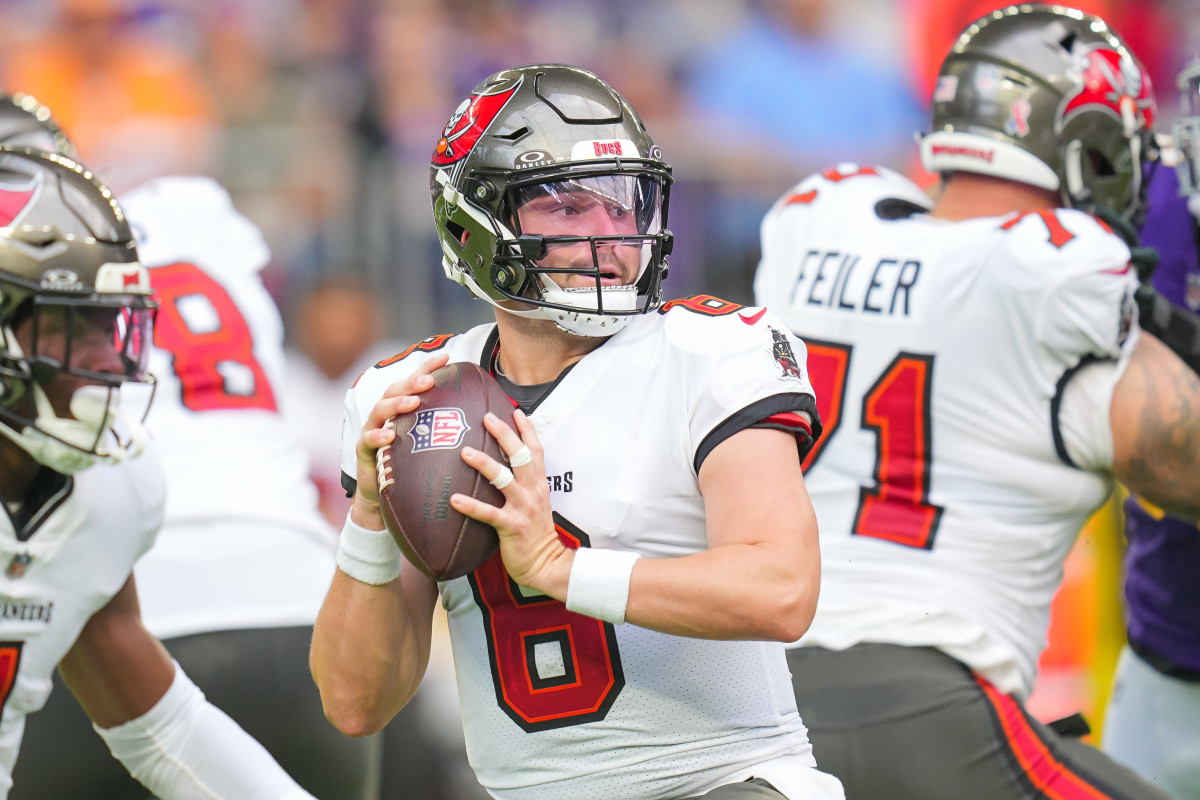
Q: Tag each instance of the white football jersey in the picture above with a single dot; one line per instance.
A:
(77, 558)
(556, 704)
(244, 544)
(956, 466)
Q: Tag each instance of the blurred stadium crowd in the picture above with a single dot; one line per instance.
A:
(316, 113)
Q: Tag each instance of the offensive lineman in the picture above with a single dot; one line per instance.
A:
(235, 578)
(81, 505)
(668, 496)
(983, 381)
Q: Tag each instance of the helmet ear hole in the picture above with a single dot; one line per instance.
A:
(459, 233)
(1101, 166)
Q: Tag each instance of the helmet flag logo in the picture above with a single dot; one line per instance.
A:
(1110, 80)
(469, 121)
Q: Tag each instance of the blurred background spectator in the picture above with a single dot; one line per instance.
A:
(336, 329)
(320, 116)
(317, 114)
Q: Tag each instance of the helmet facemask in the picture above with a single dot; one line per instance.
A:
(604, 227)
(1114, 180)
(94, 427)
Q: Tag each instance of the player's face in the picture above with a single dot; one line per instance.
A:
(587, 207)
(84, 343)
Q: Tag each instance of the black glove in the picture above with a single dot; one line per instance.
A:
(1173, 326)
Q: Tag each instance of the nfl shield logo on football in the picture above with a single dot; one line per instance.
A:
(438, 429)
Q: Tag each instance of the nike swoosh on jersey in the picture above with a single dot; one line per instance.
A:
(753, 318)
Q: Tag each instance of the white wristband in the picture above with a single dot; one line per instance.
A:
(599, 583)
(369, 556)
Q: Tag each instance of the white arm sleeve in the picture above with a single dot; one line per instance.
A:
(1084, 417)
(185, 748)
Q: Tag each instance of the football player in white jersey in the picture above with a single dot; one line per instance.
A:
(82, 501)
(982, 382)
(657, 546)
(235, 578)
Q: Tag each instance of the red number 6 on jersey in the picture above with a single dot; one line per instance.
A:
(552, 668)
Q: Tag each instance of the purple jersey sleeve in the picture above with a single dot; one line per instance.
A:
(1162, 594)
(1170, 230)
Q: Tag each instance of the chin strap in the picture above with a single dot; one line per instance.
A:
(69, 446)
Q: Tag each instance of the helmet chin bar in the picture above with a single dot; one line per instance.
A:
(588, 321)
(69, 445)
(65, 444)
(582, 311)
(594, 310)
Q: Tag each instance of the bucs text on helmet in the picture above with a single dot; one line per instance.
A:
(70, 286)
(1048, 96)
(24, 122)
(558, 140)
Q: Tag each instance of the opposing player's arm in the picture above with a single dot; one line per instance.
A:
(1155, 416)
(155, 721)
(371, 641)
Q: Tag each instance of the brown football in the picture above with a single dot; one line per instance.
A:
(422, 467)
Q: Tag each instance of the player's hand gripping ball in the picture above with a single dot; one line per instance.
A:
(422, 467)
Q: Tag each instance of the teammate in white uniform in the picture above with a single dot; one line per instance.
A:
(654, 510)
(80, 503)
(982, 381)
(236, 577)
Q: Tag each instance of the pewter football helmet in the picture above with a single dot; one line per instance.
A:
(24, 122)
(550, 131)
(68, 270)
(1048, 96)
